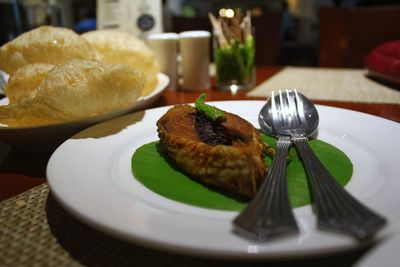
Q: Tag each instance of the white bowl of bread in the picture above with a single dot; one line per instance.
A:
(61, 82)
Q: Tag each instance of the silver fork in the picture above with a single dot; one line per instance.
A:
(269, 214)
(335, 208)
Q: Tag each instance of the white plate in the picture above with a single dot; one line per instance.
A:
(48, 137)
(90, 174)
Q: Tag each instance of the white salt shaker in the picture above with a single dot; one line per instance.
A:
(165, 47)
(194, 49)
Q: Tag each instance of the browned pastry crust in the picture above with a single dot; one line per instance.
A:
(237, 167)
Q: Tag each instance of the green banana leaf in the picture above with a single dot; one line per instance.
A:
(155, 172)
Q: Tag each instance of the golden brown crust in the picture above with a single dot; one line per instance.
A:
(238, 168)
(24, 81)
(117, 47)
(45, 44)
(76, 90)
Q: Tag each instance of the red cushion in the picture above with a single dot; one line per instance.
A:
(385, 59)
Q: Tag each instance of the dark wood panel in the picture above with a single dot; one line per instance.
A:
(346, 35)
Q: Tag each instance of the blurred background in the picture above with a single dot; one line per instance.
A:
(293, 32)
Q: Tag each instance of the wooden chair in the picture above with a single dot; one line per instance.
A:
(346, 35)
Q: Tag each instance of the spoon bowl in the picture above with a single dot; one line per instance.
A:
(276, 120)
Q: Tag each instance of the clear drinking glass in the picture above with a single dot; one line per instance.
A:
(234, 64)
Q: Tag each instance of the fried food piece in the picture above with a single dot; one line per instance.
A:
(23, 81)
(116, 47)
(45, 44)
(229, 156)
(76, 90)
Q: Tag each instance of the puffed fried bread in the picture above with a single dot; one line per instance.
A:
(117, 47)
(24, 81)
(45, 44)
(76, 90)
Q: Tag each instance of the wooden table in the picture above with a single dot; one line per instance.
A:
(172, 97)
(20, 171)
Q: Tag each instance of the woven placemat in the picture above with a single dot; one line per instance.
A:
(36, 231)
(350, 85)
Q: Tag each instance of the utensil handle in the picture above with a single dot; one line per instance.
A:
(336, 209)
(269, 214)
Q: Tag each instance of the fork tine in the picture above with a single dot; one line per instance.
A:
(291, 108)
(273, 106)
(282, 109)
(286, 108)
(300, 107)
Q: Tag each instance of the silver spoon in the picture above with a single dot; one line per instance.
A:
(269, 214)
(335, 208)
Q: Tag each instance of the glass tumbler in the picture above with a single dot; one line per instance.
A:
(234, 64)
